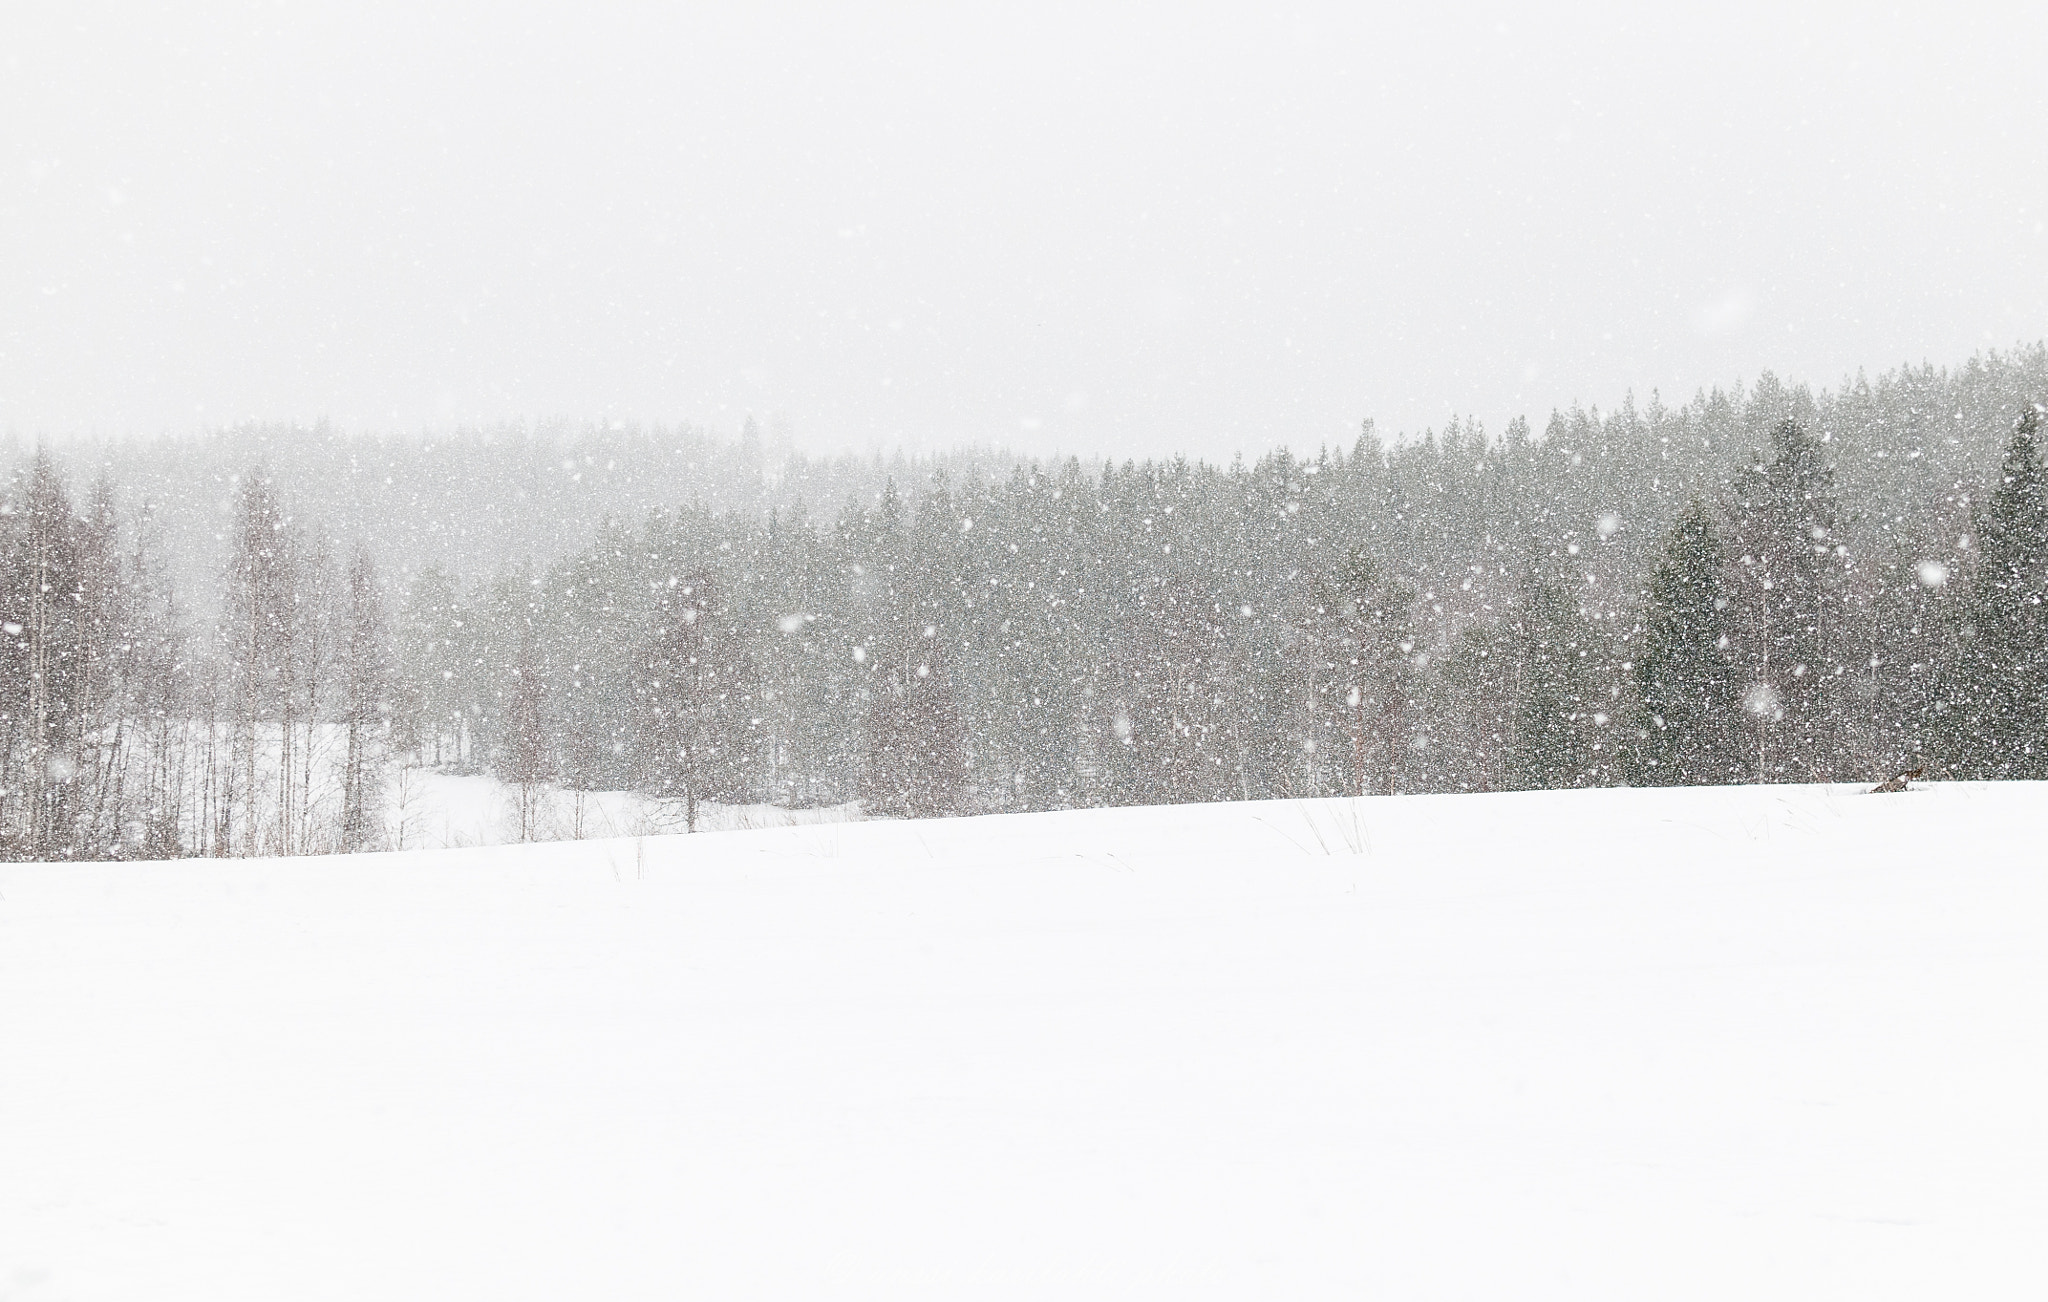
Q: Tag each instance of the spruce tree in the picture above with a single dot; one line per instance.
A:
(102, 617)
(433, 674)
(260, 642)
(44, 602)
(1552, 745)
(526, 758)
(1367, 618)
(1792, 586)
(2003, 694)
(1685, 674)
(674, 690)
(364, 664)
(915, 762)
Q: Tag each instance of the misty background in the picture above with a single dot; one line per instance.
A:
(1124, 231)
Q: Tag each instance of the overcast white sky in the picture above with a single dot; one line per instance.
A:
(1093, 229)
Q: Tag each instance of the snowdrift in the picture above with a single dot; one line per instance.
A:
(1751, 1042)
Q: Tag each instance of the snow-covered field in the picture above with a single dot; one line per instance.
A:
(427, 809)
(1749, 1043)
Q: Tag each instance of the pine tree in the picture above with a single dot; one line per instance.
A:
(1685, 672)
(261, 643)
(164, 707)
(915, 763)
(1473, 704)
(1370, 616)
(363, 670)
(1791, 575)
(45, 603)
(2003, 695)
(1553, 746)
(100, 740)
(428, 718)
(318, 605)
(675, 688)
(525, 760)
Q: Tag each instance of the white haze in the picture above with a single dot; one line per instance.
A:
(1138, 230)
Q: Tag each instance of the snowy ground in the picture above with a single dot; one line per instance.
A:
(1751, 1043)
(430, 810)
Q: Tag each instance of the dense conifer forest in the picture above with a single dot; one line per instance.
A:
(241, 644)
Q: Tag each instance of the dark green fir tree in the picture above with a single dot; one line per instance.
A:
(1792, 572)
(1691, 692)
(1552, 745)
(2000, 696)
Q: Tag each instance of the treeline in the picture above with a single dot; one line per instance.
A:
(1772, 586)
(466, 501)
(129, 734)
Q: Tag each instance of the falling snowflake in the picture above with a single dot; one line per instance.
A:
(1762, 701)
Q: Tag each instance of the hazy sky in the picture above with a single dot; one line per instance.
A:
(1095, 229)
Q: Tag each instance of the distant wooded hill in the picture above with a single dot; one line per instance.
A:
(1775, 584)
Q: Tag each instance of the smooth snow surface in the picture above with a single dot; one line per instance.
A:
(1750, 1043)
